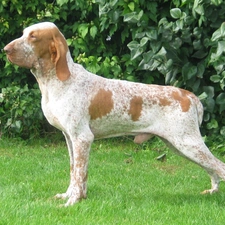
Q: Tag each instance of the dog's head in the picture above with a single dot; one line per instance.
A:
(41, 47)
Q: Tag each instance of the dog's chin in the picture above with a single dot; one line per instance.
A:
(17, 62)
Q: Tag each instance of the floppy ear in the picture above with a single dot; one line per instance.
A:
(58, 51)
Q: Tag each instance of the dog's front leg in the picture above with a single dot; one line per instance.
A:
(68, 193)
(78, 175)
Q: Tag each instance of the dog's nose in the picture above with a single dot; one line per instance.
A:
(7, 49)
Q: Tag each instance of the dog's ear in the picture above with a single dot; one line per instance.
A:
(58, 50)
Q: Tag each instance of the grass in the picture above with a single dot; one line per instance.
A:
(126, 185)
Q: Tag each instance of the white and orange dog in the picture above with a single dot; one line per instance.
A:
(85, 107)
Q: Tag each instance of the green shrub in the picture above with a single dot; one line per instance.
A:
(21, 114)
(178, 42)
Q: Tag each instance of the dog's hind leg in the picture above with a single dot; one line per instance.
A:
(191, 146)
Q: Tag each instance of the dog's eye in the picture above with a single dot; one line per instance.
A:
(32, 36)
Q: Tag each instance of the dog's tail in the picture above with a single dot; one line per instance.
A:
(200, 110)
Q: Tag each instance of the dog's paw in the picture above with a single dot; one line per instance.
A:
(72, 200)
(61, 196)
(210, 191)
(72, 196)
(65, 195)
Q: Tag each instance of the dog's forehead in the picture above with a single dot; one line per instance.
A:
(39, 26)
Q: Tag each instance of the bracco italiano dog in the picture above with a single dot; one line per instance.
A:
(85, 107)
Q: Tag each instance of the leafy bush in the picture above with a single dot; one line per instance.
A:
(184, 42)
(178, 42)
(21, 114)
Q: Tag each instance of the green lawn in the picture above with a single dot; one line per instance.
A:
(126, 185)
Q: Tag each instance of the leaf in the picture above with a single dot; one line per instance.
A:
(148, 55)
(133, 45)
(220, 48)
(136, 52)
(201, 70)
(113, 2)
(200, 54)
(140, 14)
(179, 25)
(130, 17)
(209, 90)
(130, 78)
(140, 35)
(216, 2)
(62, 2)
(222, 131)
(212, 124)
(152, 34)
(192, 72)
(69, 41)
(222, 108)
(143, 41)
(162, 52)
(152, 7)
(155, 46)
(202, 96)
(17, 125)
(83, 30)
(93, 31)
(189, 71)
(199, 9)
(176, 13)
(133, 17)
(210, 104)
(93, 67)
(215, 78)
(115, 16)
(219, 33)
(131, 6)
(48, 14)
(136, 48)
(170, 76)
(144, 64)
(221, 99)
(176, 43)
(158, 59)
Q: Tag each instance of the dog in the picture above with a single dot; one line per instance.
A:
(85, 106)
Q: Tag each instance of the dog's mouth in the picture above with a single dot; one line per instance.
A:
(9, 54)
(17, 61)
(9, 57)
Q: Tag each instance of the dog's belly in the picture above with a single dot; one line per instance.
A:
(111, 127)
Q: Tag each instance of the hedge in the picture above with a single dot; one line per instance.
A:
(178, 42)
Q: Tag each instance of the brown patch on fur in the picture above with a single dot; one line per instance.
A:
(182, 97)
(135, 107)
(101, 104)
(164, 102)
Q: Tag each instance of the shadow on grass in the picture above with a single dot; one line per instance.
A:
(184, 198)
